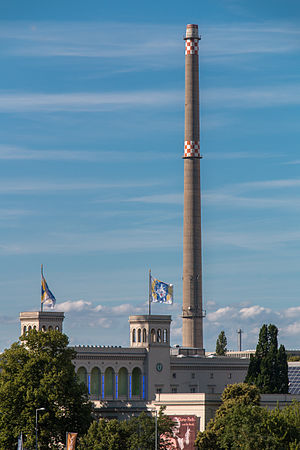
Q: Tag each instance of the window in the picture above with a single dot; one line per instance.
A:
(159, 335)
(43, 328)
(165, 336)
(193, 375)
(95, 381)
(152, 335)
(144, 335)
(133, 335)
(158, 390)
(109, 381)
(50, 328)
(174, 390)
(211, 375)
(24, 329)
(174, 375)
(139, 335)
(82, 375)
(57, 328)
(192, 390)
(136, 381)
(229, 375)
(123, 382)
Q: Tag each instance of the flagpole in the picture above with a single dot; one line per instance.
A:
(42, 275)
(149, 299)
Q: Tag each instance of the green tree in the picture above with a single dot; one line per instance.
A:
(37, 372)
(137, 432)
(221, 344)
(240, 423)
(268, 368)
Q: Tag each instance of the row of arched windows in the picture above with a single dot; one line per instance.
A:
(140, 335)
(50, 328)
(111, 384)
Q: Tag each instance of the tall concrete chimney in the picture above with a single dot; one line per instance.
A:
(192, 313)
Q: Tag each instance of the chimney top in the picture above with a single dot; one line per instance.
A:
(192, 31)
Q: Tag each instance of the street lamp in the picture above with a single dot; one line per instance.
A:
(36, 426)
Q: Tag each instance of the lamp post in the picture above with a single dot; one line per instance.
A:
(36, 426)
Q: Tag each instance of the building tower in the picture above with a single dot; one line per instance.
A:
(192, 313)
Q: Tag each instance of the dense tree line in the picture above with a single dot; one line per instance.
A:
(37, 372)
(240, 423)
(135, 433)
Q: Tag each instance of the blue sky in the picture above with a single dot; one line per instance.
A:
(91, 185)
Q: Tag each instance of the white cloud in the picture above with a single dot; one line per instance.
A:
(87, 101)
(104, 322)
(233, 201)
(78, 305)
(159, 198)
(8, 152)
(35, 187)
(292, 329)
(253, 311)
(148, 238)
(118, 40)
(250, 97)
(221, 313)
(292, 312)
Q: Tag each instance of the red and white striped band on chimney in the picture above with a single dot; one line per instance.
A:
(192, 149)
(191, 47)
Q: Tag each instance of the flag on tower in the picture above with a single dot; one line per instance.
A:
(47, 298)
(161, 292)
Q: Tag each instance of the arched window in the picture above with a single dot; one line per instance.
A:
(133, 335)
(57, 328)
(136, 381)
(159, 335)
(123, 382)
(24, 329)
(34, 327)
(139, 335)
(165, 335)
(29, 328)
(109, 381)
(153, 335)
(144, 335)
(43, 328)
(82, 375)
(95, 381)
(50, 328)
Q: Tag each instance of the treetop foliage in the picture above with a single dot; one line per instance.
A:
(37, 372)
(135, 433)
(240, 423)
(268, 368)
(221, 344)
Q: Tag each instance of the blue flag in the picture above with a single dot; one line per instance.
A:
(161, 292)
(46, 295)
